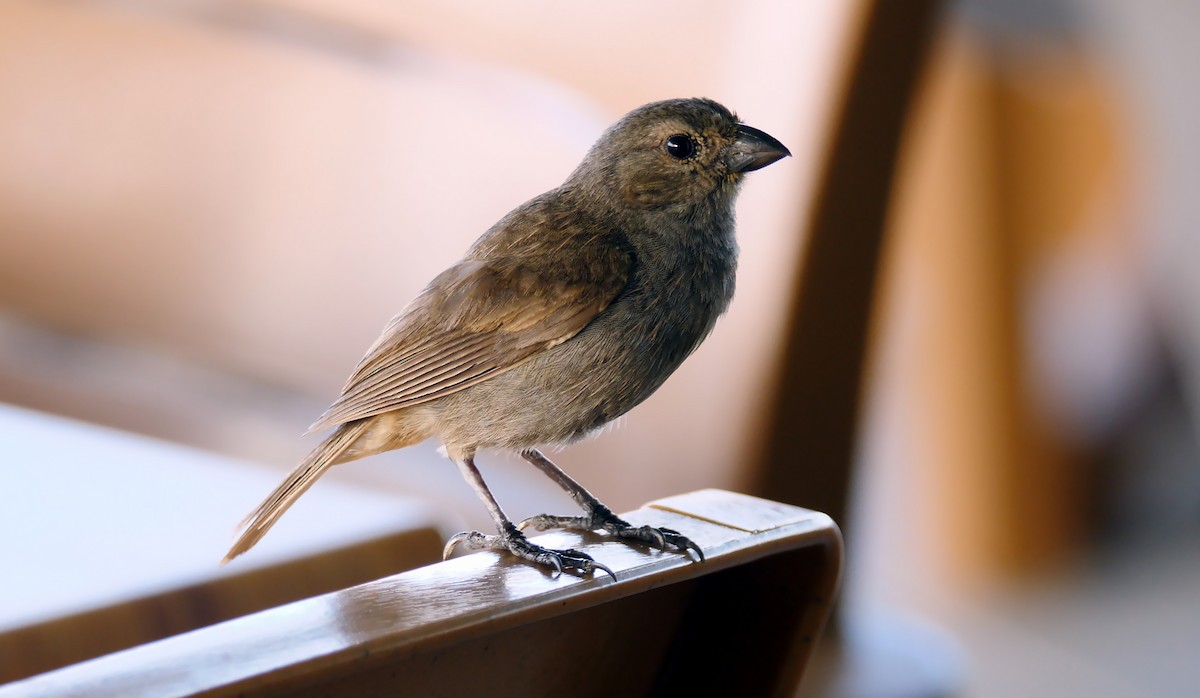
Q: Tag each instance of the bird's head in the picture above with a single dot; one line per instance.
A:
(675, 154)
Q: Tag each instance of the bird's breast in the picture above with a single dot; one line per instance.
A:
(669, 307)
(618, 360)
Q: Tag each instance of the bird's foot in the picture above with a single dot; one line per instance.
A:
(602, 518)
(512, 540)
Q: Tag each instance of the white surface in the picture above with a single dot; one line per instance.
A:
(91, 516)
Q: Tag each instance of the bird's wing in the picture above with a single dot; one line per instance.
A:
(474, 321)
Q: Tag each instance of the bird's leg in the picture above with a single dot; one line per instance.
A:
(597, 516)
(509, 537)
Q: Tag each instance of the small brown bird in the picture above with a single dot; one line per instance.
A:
(567, 313)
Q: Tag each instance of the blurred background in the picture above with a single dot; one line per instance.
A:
(209, 209)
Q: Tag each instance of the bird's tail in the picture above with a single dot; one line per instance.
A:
(331, 451)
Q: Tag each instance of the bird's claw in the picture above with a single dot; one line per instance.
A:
(516, 543)
(603, 519)
(560, 560)
(663, 538)
(570, 559)
(474, 540)
(680, 542)
(545, 522)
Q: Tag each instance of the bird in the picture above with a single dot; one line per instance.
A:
(568, 312)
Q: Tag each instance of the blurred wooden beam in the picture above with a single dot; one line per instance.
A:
(809, 445)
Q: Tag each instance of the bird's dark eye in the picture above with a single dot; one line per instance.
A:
(681, 146)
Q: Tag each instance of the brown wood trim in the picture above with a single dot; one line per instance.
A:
(745, 621)
(810, 439)
(55, 643)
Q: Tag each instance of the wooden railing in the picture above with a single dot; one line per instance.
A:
(742, 623)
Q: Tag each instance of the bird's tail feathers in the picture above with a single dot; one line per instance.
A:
(259, 521)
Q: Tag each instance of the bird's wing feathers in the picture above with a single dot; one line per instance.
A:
(474, 321)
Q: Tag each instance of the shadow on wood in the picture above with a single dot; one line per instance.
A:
(742, 623)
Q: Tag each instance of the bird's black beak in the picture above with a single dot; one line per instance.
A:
(753, 150)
